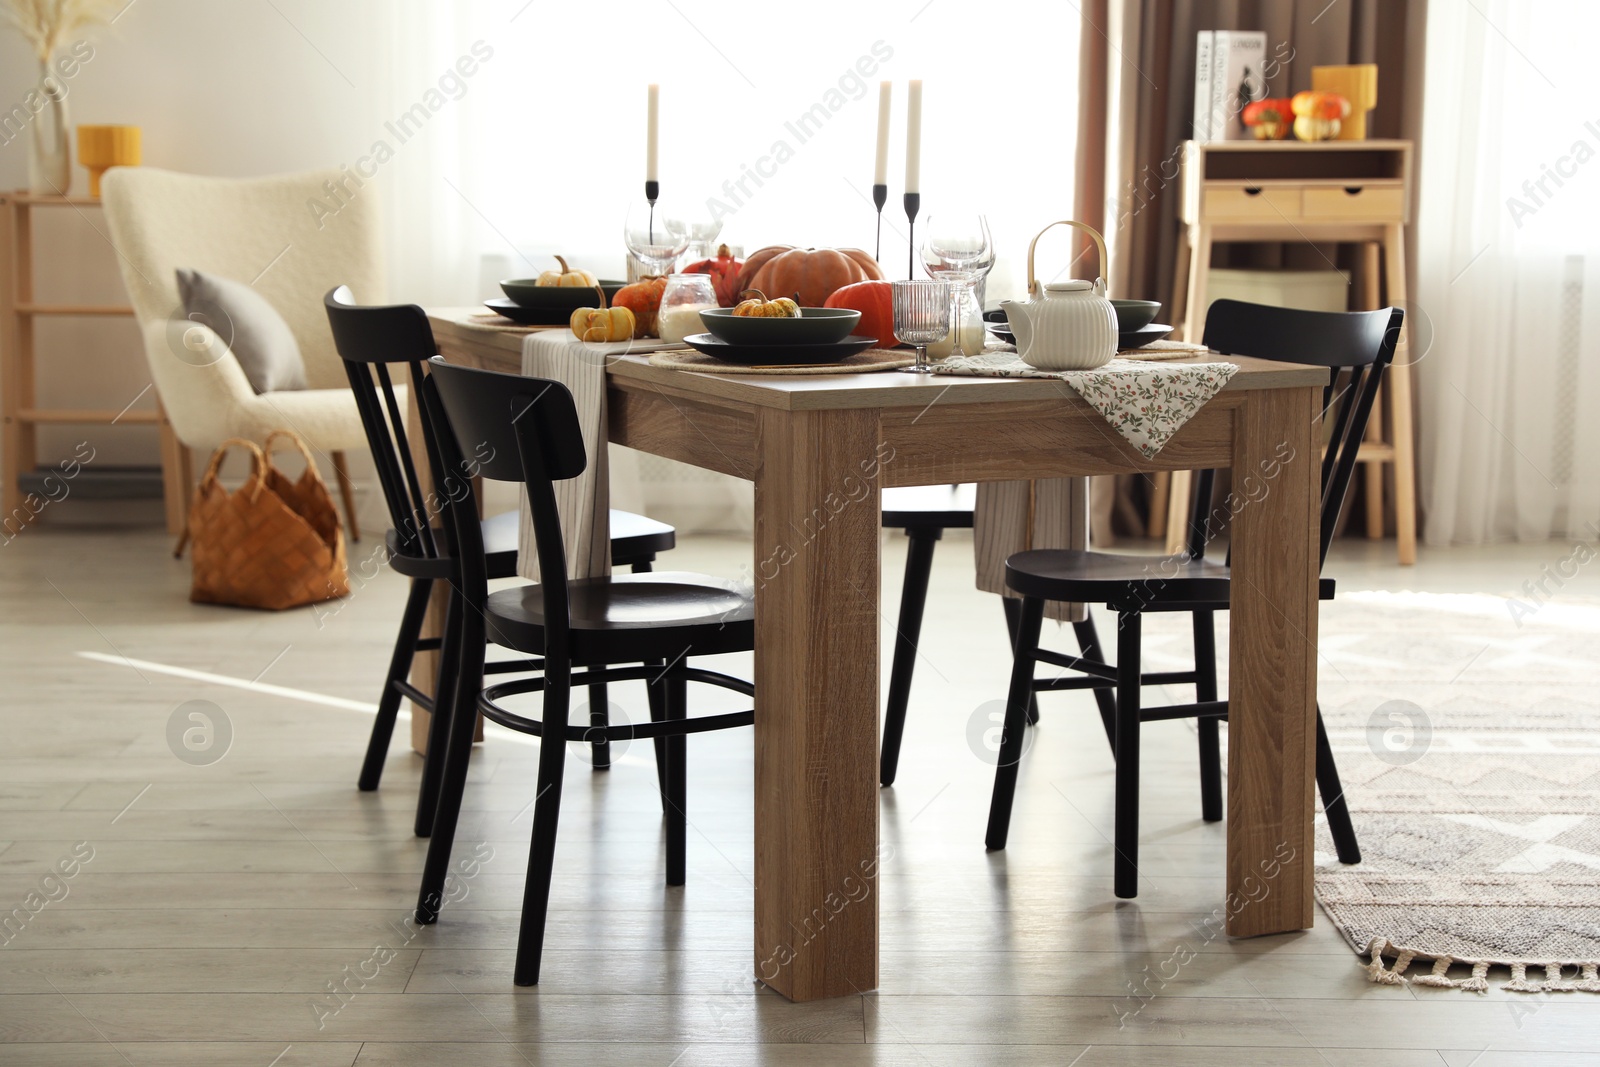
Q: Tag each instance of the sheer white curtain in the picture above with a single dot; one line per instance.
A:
(1509, 272)
(543, 149)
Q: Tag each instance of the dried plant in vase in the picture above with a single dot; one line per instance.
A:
(47, 25)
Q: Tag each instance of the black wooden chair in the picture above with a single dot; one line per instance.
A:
(369, 339)
(1356, 347)
(528, 429)
(925, 512)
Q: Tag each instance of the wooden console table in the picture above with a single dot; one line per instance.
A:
(22, 416)
(1334, 191)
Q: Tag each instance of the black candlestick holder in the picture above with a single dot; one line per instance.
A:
(913, 205)
(880, 197)
(652, 193)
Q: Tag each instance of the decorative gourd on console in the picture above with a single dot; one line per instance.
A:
(566, 276)
(643, 298)
(1318, 115)
(1269, 120)
(810, 275)
(602, 324)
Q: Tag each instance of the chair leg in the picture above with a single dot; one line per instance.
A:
(599, 719)
(405, 648)
(656, 694)
(676, 793)
(1125, 867)
(453, 651)
(1333, 805)
(1013, 609)
(546, 813)
(913, 601)
(1030, 617)
(1106, 699)
(451, 753)
(1205, 689)
(347, 491)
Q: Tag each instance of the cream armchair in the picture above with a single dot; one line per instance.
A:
(260, 231)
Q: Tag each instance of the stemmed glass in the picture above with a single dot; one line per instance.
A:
(959, 249)
(656, 234)
(921, 316)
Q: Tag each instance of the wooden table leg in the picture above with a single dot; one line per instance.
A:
(1272, 665)
(816, 758)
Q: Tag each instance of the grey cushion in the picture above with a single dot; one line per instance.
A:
(259, 337)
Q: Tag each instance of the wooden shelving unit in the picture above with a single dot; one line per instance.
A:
(18, 402)
(1333, 192)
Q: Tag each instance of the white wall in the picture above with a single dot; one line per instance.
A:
(544, 144)
(222, 87)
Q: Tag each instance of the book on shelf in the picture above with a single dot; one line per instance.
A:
(1228, 75)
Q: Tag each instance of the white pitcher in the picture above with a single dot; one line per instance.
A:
(1064, 325)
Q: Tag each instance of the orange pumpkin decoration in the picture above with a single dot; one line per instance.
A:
(643, 298)
(811, 275)
(754, 262)
(875, 301)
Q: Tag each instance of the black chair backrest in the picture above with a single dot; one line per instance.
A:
(368, 340)
(1354, 345)
(507, 427)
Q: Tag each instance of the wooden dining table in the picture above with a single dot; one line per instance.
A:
(820, 449)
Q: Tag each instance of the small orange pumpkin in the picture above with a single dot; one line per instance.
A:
(759, 307)
(875, 301)
(643, 298)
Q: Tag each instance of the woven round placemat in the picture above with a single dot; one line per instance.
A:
(860, 363)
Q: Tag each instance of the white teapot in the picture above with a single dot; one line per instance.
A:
(1064, 325)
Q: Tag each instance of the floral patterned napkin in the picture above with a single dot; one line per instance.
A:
(1145, 402)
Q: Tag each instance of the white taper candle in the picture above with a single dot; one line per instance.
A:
(880, 173)
(914, 138)
(653, 134)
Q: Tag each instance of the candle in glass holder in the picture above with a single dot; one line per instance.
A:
(685, 296)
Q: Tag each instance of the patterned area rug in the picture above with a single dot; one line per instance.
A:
(1467, 730)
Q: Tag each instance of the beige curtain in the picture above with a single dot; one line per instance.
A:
(1136, 98)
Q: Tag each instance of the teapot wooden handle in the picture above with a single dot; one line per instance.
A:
(1033, 281)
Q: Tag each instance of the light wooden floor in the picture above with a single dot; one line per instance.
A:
(222, 900)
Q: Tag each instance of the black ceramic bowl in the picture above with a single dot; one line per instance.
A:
(551, 298)
(815, 326)
(1135, 314)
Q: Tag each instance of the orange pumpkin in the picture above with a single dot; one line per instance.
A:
(875, 301)
(643, 298)
(754, 262)
(811, 275)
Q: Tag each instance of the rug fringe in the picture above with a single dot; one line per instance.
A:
(1478, 983)
(1554, 980)
(1587, 980)
(1375, 971)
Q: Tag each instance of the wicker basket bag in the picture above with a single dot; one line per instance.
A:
(272, 543)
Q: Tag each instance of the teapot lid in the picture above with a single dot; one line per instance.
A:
(1076, 285)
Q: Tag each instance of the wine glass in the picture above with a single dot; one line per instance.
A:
(921, 316)
(656, 234)
(959, 249)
